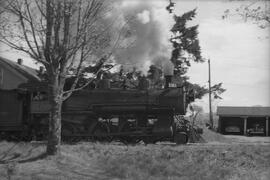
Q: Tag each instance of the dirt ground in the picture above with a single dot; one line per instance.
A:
(222, 157)
(246, 139)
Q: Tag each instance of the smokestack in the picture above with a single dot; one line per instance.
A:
(143, 83)
(168, 73)
(168, 80)
(168, 68)
(19, 61)
(104, 84)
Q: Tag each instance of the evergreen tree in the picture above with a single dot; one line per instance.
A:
(185, 43)
(186, 48)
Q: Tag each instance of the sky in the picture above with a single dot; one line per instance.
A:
(238, 50)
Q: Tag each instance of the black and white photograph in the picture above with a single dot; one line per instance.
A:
(134, 89)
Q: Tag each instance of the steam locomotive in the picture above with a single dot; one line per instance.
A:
(100, 114)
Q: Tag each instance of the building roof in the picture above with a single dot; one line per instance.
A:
(25, 71)
(243, 111)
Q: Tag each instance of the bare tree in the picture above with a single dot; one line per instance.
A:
(61, 35)
(256, 11)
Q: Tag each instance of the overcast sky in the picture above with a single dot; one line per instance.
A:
(239, 51)
(239, 54)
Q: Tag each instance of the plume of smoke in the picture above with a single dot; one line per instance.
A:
(144, 17)
(149, 24)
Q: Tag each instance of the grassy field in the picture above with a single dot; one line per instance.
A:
(116, 161)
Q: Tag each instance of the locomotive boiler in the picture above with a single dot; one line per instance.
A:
(105, 114)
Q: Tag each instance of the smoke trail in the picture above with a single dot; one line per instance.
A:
(150, 27)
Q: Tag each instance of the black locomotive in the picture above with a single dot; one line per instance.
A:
(103, 114)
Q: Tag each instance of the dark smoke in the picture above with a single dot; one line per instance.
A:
(149, 29)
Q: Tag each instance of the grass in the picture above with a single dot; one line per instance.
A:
(117, 161)
(189, 162)
(211, 136)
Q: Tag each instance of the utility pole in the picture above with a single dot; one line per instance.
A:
(210, 101)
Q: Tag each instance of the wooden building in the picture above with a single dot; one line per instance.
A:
(243, 120)
(12, 74)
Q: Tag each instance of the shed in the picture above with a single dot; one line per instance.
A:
(12, 74)
(243, 120)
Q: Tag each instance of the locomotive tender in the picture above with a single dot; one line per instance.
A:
(103, 114)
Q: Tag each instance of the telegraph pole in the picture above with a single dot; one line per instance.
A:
(210, 101)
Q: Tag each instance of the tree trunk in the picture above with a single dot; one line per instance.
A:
(54, 136)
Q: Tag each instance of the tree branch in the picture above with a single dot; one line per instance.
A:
(66, 94)
(49, 20)
(32, 28)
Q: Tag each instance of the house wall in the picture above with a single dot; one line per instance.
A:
(10, 79)
(11, 112)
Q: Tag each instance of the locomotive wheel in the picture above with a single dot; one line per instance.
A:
(127, 127)
(180, 138)
(149, 140)
(67, 131)
(101, 132)
(129, 140)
